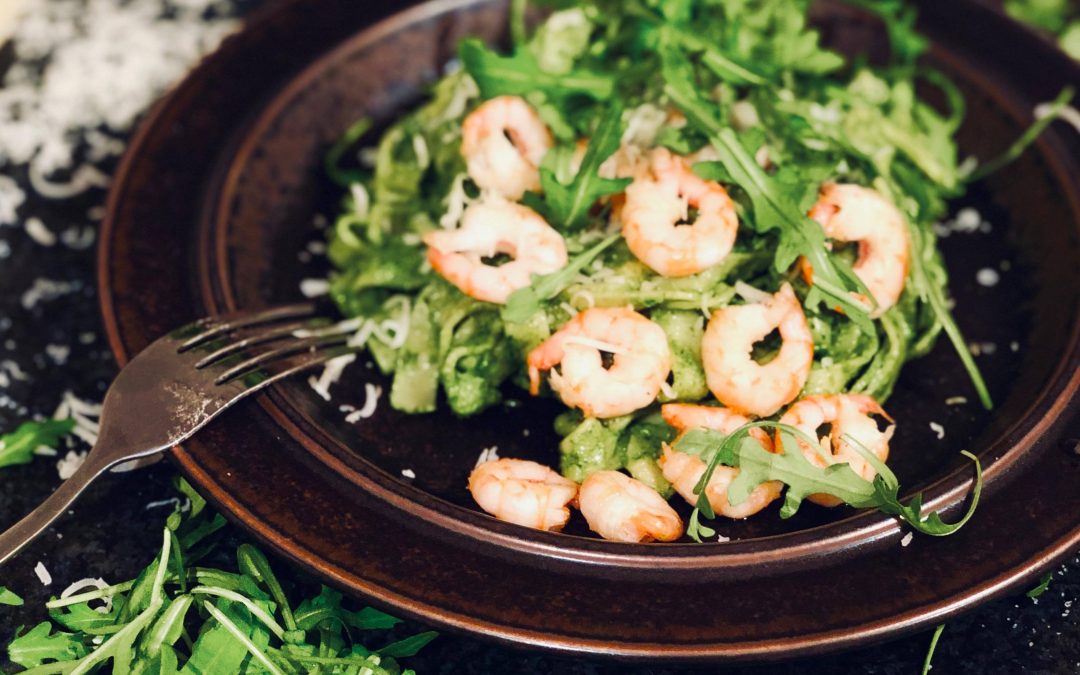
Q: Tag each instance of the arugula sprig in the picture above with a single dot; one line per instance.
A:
(757, 465)
(520, 74)
(177, 617)
(775, 206)
(569, 203)
(18, 446)
(527, 301)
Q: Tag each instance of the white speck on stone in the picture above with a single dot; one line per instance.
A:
(42, 574)
(1014, 346)
(938, 429)
(988, 277)
(906, 541)
(331, 373)
(408, 473)
(44, 290)
(58, 353)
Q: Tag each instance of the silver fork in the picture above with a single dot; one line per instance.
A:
(180, 382)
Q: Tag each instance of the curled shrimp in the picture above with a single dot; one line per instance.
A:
(487, 229)
(620, 508)
(732, 374)
(641, 361)
(523, 492)
(656, 207)
(858, 214)
(503, 142)
(848, 415)
(684, 471)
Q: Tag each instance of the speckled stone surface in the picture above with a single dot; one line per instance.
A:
(50, 344)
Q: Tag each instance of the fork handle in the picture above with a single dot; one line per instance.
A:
(33, 524)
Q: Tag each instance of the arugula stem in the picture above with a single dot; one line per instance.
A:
(1027, 138)
(255, 610)
(933, 646)
(242, 638)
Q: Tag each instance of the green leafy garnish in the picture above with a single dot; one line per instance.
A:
(776, 207)
(9, 597)
(18, 446)
(520, 74)
(525, 302)
(1044, 585)
(757, 465)
(179, 617)
(569, 203)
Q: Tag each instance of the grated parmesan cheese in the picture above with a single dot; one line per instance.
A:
(938, 429)
(88, 583)
(42, 574)
(907, 539)
(138, 47)
(487, 455)
(595, 344)
(988, 277)
(70, 463)
(408, 473)
(956, 400)
(372, 392)
(37, 231)
(11, 197)
(313, 288)
(331, 373)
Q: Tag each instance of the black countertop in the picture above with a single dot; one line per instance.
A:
(51, 346)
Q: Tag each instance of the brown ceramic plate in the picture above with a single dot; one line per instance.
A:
(220, 191)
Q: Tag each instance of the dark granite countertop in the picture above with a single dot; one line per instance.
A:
(51, 348)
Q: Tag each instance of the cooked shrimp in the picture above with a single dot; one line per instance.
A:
(684, 471)
(859, 214)
(656, 207)
(848, 415)
(503, 142)
(619, 508)
(523, 492)
(487, 229)
(731, 372)
(641, 361)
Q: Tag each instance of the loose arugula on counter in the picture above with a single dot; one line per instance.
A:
(18, 446)
(180, 617)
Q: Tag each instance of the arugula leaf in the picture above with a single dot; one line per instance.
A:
(40, 645)
(238, 626)
(789, 466)
(569, 203)
(409, 646)
(520, 74)
(906, 42)
(775, 206)
(18, 446)
(9, 597)
(525, 302)
(1044, 585)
